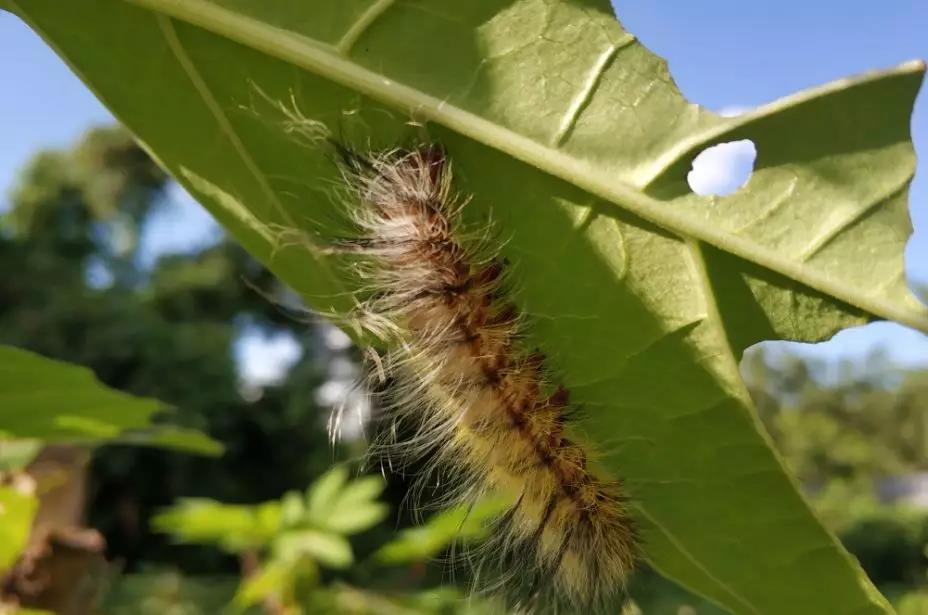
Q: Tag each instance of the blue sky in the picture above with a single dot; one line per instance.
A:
(724, 54)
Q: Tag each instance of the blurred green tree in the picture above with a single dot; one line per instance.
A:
(856, 436)
(167, 330)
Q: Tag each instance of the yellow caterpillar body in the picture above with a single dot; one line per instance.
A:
(467, 396)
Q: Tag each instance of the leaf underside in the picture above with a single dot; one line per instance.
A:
(573, 138)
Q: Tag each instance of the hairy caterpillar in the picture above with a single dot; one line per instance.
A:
(465, 394)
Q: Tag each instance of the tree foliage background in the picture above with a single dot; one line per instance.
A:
(166, 332)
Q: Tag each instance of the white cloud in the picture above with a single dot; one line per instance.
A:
(334, 338)
(733, 110)
(722, 169)
(265, 359)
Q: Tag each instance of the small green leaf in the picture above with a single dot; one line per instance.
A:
(361, 490)
(357, 517)
(274, 579)
(267, 517)
(321, 496)
(234, 528)
(331, 550)
(462, 523)
(16, 513)
(354, 508)
(292, 509)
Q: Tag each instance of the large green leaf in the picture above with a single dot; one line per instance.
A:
(52, 401)
(575, 139)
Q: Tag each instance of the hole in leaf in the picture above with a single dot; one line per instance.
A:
(722, 169)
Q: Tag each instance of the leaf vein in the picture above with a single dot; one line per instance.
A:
(583, 96)
(772, 208)
(694, 562)
(714, 318)
(359, 27)
(830, 233)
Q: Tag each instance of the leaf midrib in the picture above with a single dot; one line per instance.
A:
(324, 60)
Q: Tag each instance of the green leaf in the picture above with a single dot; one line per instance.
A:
(356, 518)
(16, 512)
(360, 491)
(52, 401)
(233, 527)
(575, 140)
(356, 508)
(322, 494)
(274, 579)
(173, 437)
(331, 550)
(292, 509)
(462, 523)
(336, 505)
